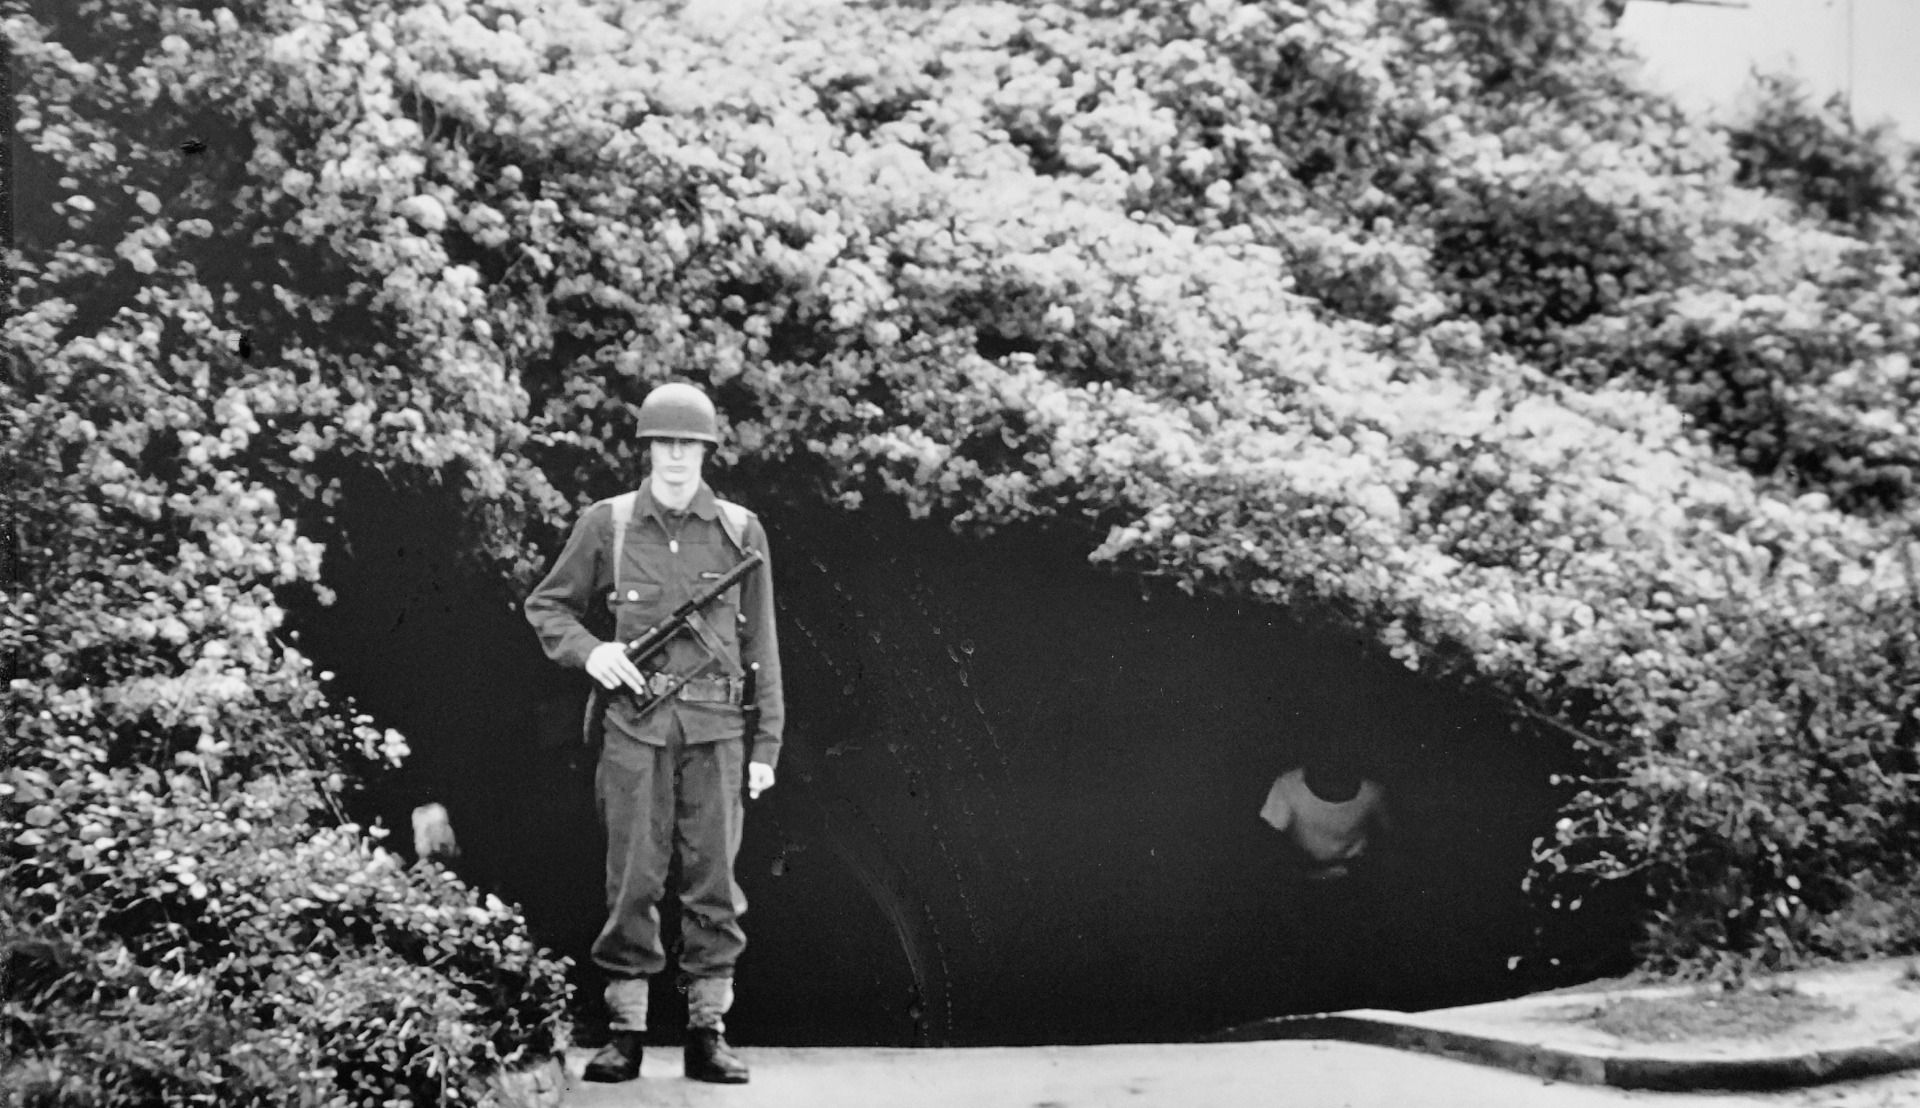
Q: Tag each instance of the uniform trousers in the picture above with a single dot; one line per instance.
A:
(657, 801)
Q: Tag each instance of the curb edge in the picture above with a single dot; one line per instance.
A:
(1651, 1072)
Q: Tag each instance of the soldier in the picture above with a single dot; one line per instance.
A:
(670, 777)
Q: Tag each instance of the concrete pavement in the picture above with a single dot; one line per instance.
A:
(1214, 1075)
(1862, 1051)
(1205, 1075)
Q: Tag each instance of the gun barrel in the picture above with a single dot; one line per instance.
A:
(656, 639)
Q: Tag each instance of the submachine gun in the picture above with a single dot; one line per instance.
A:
(643, 649)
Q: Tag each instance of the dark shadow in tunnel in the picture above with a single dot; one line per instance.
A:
(1019, 798)
(1068, 772)
(876, 970)
(423, 642)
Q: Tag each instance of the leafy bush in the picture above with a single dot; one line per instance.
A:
(174, 771)
(1815, 155)
(398, 984)
(365, 1026)
(168, 814)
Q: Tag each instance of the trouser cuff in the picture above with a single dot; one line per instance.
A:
(627, 1003)
(708, 999)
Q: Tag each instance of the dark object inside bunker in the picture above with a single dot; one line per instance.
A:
(1019, 797)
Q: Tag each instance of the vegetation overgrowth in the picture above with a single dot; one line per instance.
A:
(1709, 1011)
(1420, 314)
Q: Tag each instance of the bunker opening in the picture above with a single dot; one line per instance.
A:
(1020, 801)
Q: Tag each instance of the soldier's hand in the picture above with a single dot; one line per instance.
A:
(433, 833)
(759, 779)
(609, 665)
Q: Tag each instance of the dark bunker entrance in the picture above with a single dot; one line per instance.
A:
(1019, 798)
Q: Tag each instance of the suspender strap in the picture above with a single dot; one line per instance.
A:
(733, 520)
(622, 516)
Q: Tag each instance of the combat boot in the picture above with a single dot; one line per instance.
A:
(710, 1059)
(618, 1061)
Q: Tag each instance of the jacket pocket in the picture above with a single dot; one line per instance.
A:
(636, 607)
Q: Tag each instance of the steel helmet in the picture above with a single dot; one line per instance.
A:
(677, 410)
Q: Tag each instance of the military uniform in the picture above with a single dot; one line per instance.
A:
(672, 775)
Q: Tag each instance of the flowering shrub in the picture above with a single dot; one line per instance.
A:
(169, 806)
(1417, 313)
(174, 770)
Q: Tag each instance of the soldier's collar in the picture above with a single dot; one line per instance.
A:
(704, 504)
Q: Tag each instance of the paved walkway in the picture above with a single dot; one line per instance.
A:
(1536, 1050)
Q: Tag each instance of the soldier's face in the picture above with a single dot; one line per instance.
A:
(677, 462)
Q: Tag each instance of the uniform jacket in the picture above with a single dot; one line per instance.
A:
(567, 613)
